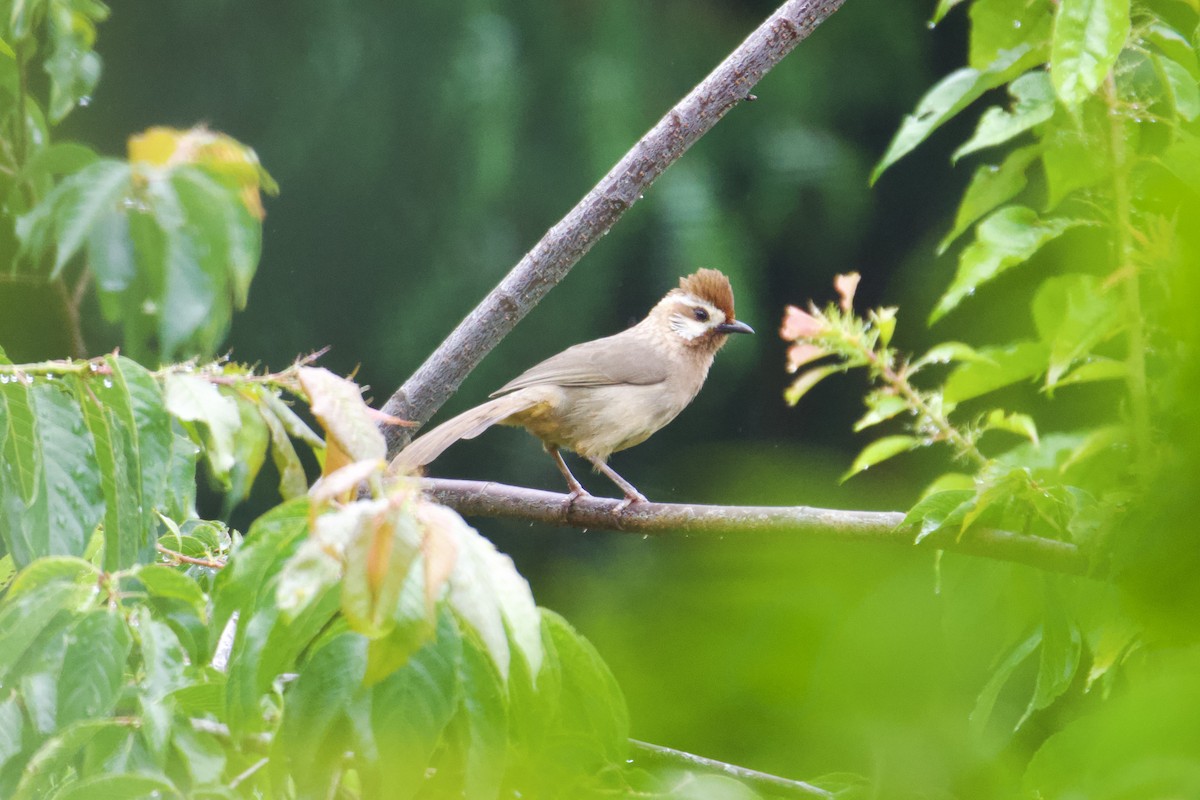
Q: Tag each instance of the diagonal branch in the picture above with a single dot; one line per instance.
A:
(486, 499)
(649, 754)
(564, 244)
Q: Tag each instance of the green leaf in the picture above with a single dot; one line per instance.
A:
(1075, 156)
(292, 480)
(593, 721)
(1096, 369)
(123, 529)
(807, 380)
(1034, 104)
(990, 186)
(73, 67)
(24, 617)
(943, 8)
(412, 628)
(250, 442)
(492, 598)
(1007, 238)
(1180, 84)
(986, 701)
(196, 401)
(163, 658)
(12, 728)
(94, 667)
(1073, 313)
(125, 786)
(56, 754)
(881, 407)
(140, 439)
(1088, 37)
(164, 581)
(313, 733)
(1061, 646)
(940, 510)
(411, 709)
(66, 217)
(201, 753)
(1174, 45)
(225, 224)
(947, 352)
(1000, 25)
(50, 493)
(1006, 365)
(1020, 424)
(483, 719)
(881, 450)
(58, 158)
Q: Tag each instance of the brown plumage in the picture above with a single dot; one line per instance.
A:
(605, 395)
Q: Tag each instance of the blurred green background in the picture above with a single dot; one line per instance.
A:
(421, 148)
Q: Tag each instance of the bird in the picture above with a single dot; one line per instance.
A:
(609, 394)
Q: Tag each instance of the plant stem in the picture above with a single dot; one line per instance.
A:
(900, 383)
(74, 324)
(20, 142)
(1139, 396)
(175, 555)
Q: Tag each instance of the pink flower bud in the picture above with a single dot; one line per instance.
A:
(798, 324)
(846, 285)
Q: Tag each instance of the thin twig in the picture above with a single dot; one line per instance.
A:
(645, 752)
(175, 555)
(567, 242)
(74, 324)
(477, 498)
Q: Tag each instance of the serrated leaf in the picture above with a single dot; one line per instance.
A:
(382, 540)
(250, 443)
(481, 724)
(94, 667)
(1033, 104)
(1007, 238)
(292, 480)
(1073, 313)
(1075, 156)
(195, 400)
(990, 186)
(50, 493)
(73, 67)
(1088, 37)
(1004, 366)
(879, 451)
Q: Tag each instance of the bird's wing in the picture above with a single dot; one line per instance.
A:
(618, 359)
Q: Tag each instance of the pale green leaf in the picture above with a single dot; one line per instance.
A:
(806, 381)
(1096, 369)
(948, 352)
(943, 8)
(1020, 424)
(990, 186)
(337, 403)
(194, 400)
(951, 95)
(1000, 25)
(94, 667)
(1181, 87)
(1073, 313)
(1033, 104)
(1061, 646)
(881, 407)
(1007, 238)
(986, 701)
(881, 450)
(1174, 45)
(1006, 365)
(1088, 37)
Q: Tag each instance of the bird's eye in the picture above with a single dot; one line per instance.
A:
(700, 314)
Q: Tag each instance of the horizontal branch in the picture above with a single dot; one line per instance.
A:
(486, 499)
(564, 244)
(645, 753)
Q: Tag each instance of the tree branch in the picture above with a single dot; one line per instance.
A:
(486, 499)
(567, 242)
(647, 753)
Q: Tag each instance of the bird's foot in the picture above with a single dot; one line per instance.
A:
(576, 493)
(630, 499)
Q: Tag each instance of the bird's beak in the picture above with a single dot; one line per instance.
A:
(734, 327)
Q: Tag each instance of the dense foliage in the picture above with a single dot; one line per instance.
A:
(375, 645)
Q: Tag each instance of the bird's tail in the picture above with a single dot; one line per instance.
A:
(467, 425)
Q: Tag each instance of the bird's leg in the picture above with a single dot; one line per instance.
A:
(632, 495)
(574, 485)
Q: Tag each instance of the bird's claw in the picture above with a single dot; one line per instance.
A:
(629, 500)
